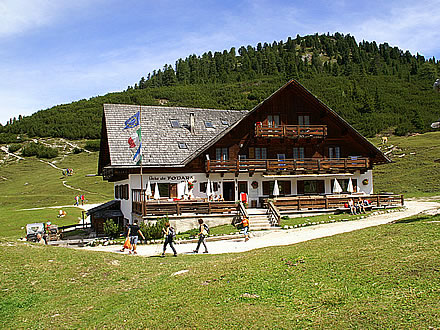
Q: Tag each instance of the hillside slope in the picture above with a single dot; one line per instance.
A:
(374, 87)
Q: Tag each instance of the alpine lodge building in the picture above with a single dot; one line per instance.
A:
(288, 149)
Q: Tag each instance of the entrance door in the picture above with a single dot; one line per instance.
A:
(229, 191)
(173, 190)
(242, 187)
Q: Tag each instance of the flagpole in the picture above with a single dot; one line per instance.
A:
(141, 157)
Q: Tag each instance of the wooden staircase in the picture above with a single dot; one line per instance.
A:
(259, 220)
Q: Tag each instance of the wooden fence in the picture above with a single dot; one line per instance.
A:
(334, 202)
(182, 207)
(291, 131)
(288, 165)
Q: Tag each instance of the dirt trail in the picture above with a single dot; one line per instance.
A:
(291, 236)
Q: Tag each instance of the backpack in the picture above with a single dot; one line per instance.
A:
(206, 228)
(171, 232)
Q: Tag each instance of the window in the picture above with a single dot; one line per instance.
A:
(304, 120)
(225, 122)
(344, 184)
(121, 192)
(175, 123)
(310, 187)
(334, 152)
(283, 186)
(242, 157)
(260, 153)
(208, 124)
(215, 187)
(221, 153)
(182, 145)
(273, 120)
(298, 153)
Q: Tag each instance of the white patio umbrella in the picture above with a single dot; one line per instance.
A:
(156, 191)
(185, 188)
(337, 187)
(208, 189)
(276, 189)
(350, 188)
(148, 190)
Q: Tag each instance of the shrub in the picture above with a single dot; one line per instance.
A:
(93, 145)
(111, 229)
(153, 231)
(77, 151)
(8, 138)
(39, 150)
(14, 147)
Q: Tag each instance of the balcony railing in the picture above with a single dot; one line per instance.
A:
(288, 165)
(291, 131)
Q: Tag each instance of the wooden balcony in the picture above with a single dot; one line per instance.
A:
(291, 131)
(287, 165)
(162, 208)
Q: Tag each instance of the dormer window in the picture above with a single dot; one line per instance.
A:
(208, 124)
(225, 122)
(175, 123)
(182, 145)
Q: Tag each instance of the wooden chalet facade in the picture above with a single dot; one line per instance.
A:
(291, 138)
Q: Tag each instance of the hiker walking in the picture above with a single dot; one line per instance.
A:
(82, 199)
(133, 232)
(169, 233)
(76, 200)
(245, 224)
(203, 233)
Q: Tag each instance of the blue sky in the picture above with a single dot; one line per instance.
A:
(59, 51)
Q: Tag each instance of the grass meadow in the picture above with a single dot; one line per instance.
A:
(381, 277)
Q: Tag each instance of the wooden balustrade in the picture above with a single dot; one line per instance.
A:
(296, 203)
(291, 131)
(292, 165)
(161, 208)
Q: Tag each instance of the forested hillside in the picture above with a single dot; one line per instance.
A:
(374, 87)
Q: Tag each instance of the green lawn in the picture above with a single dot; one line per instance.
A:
(416, 174)
(30, 183)
(386, 276)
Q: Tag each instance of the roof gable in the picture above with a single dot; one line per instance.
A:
(307, 97)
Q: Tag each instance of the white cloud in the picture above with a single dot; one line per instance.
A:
(18, 16)
(412, 27)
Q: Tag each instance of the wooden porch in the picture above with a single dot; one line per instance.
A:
(333, 201)
(288, 165)
(291, 131)
(280, 204)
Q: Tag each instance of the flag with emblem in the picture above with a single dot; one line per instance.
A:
(134, 140)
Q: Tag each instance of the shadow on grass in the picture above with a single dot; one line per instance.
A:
(417, 218)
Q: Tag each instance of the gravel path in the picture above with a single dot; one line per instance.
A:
(287, 237)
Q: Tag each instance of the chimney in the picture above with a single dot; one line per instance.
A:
(192, 122)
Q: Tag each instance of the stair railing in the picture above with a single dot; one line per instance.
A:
(274, 214)
(242, 212)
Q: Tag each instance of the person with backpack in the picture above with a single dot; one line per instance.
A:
(169, 233)
(203, 233)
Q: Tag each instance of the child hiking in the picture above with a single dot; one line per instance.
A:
(245, 224)
(169, 233)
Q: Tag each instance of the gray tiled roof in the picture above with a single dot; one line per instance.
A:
(159, 139)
